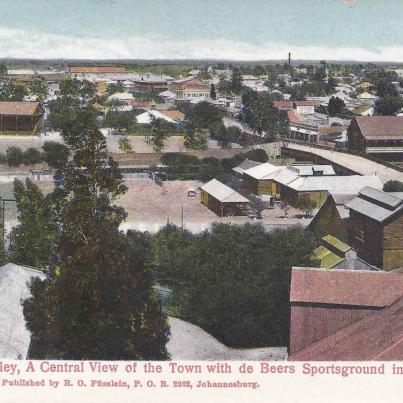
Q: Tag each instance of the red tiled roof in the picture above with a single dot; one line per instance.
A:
(175, 115)
(377, 337)
(98, 69)
(381, 127)
(18, 108)
(293, 117)
(345, 287)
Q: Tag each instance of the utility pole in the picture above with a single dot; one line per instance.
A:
(182, 216)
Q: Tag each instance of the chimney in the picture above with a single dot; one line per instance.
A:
(289, 58)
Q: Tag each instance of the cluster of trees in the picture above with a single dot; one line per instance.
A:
(97, 288)
(12, 90)
(260, 115)
(182, 166)
(54, 154)
(208, 273)
(336, 106)
(393, 186)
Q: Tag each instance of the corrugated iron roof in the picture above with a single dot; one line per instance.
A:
(381, 127)
(223, 193)
(336, 243)
(262, 171)
(18, 108)
(345, 287)
(326, 258)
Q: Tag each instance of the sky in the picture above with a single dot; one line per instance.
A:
(364, 30)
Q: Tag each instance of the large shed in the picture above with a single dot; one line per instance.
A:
(24, 118)
(223, 200)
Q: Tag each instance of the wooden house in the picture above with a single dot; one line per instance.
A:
(346, 315)
(23, 118)
(376, 227)
(223, 200)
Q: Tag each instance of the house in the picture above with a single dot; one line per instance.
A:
(332, 217)
(124, 97)
(169, 116)
(190, 89)
(151, 81)
(317, 188)
(376, 227)
(243, 166)
(300, 107)
(364, 110)
(333, 253)
(377, 135)
(346, 315)
(24, 118)
(14, 336)
(223, 200)
(366, 96)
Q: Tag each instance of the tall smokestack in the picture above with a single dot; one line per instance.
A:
(289, 58)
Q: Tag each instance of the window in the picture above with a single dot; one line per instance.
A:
(359, 234)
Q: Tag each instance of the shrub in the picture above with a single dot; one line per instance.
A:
(32, 156)
(15, 156)
(56, 155)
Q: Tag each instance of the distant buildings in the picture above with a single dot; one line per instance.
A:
(94, 73)
(24, 118)
(190, 89)
(169, 116)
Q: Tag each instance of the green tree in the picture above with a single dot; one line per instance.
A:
(158, 134)
(307, 205)
(56, 155)
(113, 88)
(38, 87)
(124, 144)
(236, 82)
(393, 186)
(31, 156)
(195, 139)
(97, 289)
(32, 241)
(15, 156)
(336, 106)
(388, 106)
(204, 114)
(213, 94)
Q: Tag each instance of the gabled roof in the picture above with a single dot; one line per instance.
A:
(98, 69)
(223, 193)
(262, 171)
(24, 108)
(309, 169)
(336, 243)
(325, 257)
(381, 127)
(346, 287)
(378, 205)
(246, 164)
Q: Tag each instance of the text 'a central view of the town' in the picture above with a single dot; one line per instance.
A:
(201, 210)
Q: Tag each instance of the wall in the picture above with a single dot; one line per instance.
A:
(393, 244)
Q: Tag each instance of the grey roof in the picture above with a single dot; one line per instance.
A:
(378, 205)
(262, 171)
(246, 164)
(14, 336)
(309, 169)
(223, 193)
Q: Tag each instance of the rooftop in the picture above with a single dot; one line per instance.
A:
(381, 127)
(223, 193)
(24, 108)
(98, 69)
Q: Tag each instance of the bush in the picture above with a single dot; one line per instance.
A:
(56, 155)
(32, 156)
(393, 186)
(124, 145)
(15, 156)
(174, 159)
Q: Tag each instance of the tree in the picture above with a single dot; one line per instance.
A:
(307, 205)
(388, 106)
(97, 289)
(158, 134)
(124, 144)
(10, 90)
(56, 155)
(204, 114)
(195, 139)
(32, 241)
(336, 106)
(15, 156)
(225, 136)
(38, 87)
(113, 88)
(393, 186)
(31, 156)
(208, 273)
(213, 94)
(236, 82)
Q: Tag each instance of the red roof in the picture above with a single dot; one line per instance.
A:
(381, 127)
(293, 117)
(346, 287)
(98, 69)
(18, 108)
(376, 337)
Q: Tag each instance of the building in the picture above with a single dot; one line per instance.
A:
(299, 107)
(376, 227)
(223, 200)
(333, 217)
(346, 315)
(190, 89)
(14, 336)
(23, 118)
(149, 82)
(169, 116)
(124, 97)
(333, 253)
(364, 110)
(382, 135)
(93, 73)
(243, 166)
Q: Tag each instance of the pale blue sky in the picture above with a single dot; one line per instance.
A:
(228, 29)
